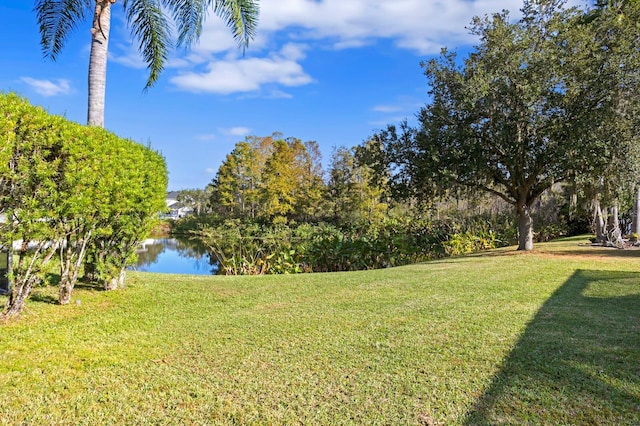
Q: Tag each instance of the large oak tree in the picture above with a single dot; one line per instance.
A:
(532, 105)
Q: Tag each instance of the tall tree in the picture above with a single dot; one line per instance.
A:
(311, 187)
(270, 177)
(614, 25)
(280, 181)
(236, 183)
(292, 185)
(150, 22)
(529, 107)
(354, 195)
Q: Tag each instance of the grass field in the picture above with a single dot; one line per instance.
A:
(549, 337)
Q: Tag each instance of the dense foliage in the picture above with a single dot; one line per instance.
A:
(67, 190)
(271, 178)
(242, 247)
(550, 98)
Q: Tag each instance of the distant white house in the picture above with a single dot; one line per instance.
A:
(175, 209)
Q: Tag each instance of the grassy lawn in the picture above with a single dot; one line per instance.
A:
(549, 337)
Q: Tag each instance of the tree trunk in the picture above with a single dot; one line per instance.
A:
(98, 62)
(65, 292)
(600, 223)
(525, 228)
(615, 233)
(19, 293)
(110, 284)
(25, 279)
(115, 282)
(70, 266)
(64, 296)
(635, 225)
(573, 201)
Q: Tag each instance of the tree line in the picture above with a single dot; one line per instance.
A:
(276, 179)
(271, 208)
(76, 195)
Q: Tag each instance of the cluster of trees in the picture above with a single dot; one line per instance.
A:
(278, 180)
(551, 98)
(74, 194)
(273, 209)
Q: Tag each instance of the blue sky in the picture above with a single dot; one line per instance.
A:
(332, 71)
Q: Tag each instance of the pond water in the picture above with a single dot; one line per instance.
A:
(175, 256)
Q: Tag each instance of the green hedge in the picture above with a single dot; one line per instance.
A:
(68, 189)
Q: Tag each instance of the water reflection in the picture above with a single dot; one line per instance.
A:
(175, 256)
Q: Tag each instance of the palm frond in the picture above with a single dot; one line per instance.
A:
(151, 28)
(56, 20)
(239, 15)
(189, 16)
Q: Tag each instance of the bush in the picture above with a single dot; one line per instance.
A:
(251, 248)
(467, 242)
(72, 190)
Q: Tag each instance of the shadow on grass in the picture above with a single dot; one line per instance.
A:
(578, 361)
(581, 250)
(86, 285)
(598, 251)
(37, 296)
(81, 283)
(49, 292)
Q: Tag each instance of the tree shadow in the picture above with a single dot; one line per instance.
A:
(578, 361)
(47, 292)
(37, 296)
(599, 251)
(89, 285)
(580, 250)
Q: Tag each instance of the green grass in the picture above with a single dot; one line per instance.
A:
(550, 337)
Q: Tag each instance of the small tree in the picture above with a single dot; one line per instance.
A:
(134, 202)
(270, 177)
(236, 184)
(29, 173)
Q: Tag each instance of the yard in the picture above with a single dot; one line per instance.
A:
(503, 337)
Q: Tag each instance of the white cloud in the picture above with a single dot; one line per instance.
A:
(236, 131)
(421, 26)
(210, 171)
(400, 105)
(47, 87)
(288, 28)
(248, 75)
(386, 108)
(416, 25)
(396, 111)
(127, 55)
(279, 94)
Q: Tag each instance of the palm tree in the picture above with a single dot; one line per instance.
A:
(150, 22)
